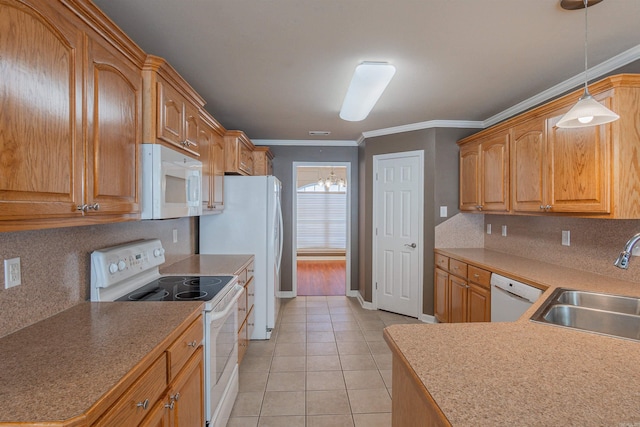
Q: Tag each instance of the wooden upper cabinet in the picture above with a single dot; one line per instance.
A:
(494, 161)
(579, 167)
(70, 120)
(528, 166)
(469, 177)
(211, 142)
(591, 172)
(40, 114)
(238, 153)
(484, 174)
(171, 108)
(262, 161)
(114, 112)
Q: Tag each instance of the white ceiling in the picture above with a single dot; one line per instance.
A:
(278, 69)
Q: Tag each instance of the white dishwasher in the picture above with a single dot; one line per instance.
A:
(510, 298)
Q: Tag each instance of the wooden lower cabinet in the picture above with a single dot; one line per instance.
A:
(246, 314)
(461, 294)
(416, 408)
(170, 393)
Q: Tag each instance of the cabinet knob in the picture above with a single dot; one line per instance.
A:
(479, 207)
(193, 344)
(83, 208)
(143, 405)
(170, 405)
(95, 206)
(242, 309)
(175, 397)
(476, 275)
(251, 295)
(548, 207)
(541, 207)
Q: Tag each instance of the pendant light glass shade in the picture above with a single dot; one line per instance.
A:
(588, 111)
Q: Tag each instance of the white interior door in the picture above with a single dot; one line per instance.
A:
(398, 237)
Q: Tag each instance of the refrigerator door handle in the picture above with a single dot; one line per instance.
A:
(280, 233)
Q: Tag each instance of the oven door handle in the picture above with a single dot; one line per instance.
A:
(216, 315)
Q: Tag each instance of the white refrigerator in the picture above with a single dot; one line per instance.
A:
(251, 223)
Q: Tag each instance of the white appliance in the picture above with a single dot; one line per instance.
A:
(510, 298)
(251, 224)
(130, 272)
(171, 183)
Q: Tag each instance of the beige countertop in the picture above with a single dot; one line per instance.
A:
(208, 265)
(523, 373)
(58, 368)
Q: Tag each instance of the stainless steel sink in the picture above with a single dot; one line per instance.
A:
(606, 314)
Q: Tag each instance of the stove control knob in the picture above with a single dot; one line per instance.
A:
(121, 265)
(157, 252)
(113, 267)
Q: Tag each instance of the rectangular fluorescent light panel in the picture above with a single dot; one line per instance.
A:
(369, 80)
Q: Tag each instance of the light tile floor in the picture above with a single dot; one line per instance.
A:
(326, 364)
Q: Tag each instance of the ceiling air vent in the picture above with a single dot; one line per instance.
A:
(319, 132)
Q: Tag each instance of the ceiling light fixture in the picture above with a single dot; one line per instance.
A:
(369, 80)
(587, 111)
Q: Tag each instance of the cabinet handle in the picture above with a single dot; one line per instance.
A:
(251, 295)
(193, 344)
(143, 405)
(175, 397)
(548, 207)
(250, 270)
(95, 206)
(541, 207)
(455, 268)
(476, 275)
(83, 208)
(170, 405)
(479, 207)
(242, 309)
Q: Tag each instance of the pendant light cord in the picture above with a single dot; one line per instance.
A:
(586, 91)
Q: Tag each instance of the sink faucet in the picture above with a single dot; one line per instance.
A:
(623, 258)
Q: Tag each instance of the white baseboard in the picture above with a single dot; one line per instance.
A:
(285, 294)
(364, 304)
(427, 318)
(353, 293)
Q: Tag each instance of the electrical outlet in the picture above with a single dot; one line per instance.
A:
(488, 228)
(12, 273)
(443, 211)
(504, 231)
(566, 238)
(175, 235)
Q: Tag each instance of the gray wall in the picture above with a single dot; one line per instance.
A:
(440, 189)
(284, 156)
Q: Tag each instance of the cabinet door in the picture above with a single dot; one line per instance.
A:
(528, 166)
(40, 113)
(191, 126)
(170, 115)
(217, 192)
(579, 167)
(188, 392)
(458, 299)
(469, 177)
(246, 160)
(478, 304)
(494, 170)
(114, 111)
(205, 142)
(158, 417)
(441, 295)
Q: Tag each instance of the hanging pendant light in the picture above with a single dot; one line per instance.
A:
(332, 179)
(587, 111)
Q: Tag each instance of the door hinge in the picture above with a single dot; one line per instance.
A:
(376, 231)
(376, 176)
(376, 286)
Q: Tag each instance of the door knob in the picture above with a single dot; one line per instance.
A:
(413, 245)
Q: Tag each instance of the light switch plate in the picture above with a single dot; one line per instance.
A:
(566, 238)
(443, 211)
(175, 235)
(504, 231)
(488, 228)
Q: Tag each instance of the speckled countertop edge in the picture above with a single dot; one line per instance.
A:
(523, 373)
(208, 265)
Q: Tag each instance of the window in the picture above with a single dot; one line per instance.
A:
(322, 217)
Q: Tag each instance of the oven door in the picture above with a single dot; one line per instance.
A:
(221, 359)
(171, 183)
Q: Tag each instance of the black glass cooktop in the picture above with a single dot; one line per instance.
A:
(179, 288)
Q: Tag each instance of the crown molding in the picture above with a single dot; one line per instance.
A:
(307, 142)
(424, 125)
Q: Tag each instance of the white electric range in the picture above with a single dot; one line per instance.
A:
(130, 272)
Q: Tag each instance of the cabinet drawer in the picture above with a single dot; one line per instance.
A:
(458, 268)
(250, 269)
(250, 292)
(242, 342)
(184, 347)
(251, 322)
(479, 276)
(137, 402)
(242, 310)
(442, 262)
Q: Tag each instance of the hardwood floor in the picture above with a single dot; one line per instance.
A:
(322, 278)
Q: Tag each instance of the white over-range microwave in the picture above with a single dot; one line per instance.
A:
(171, 183)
